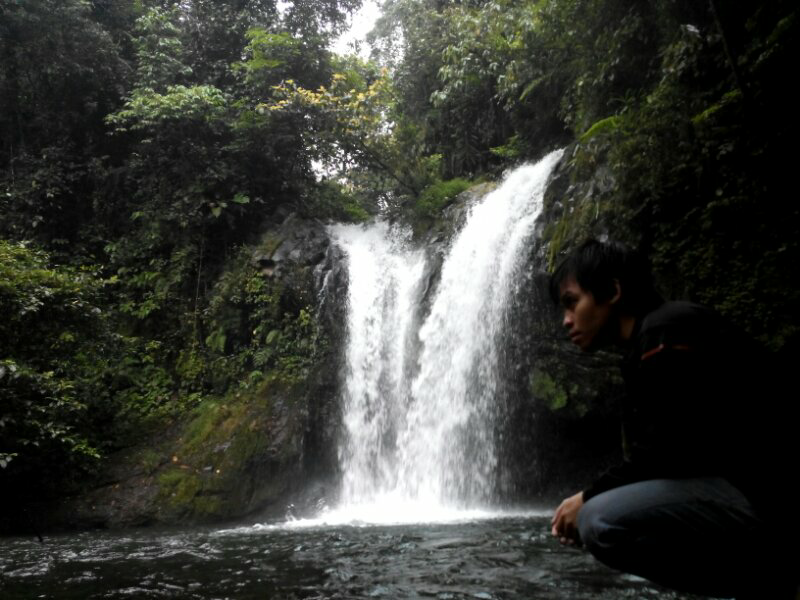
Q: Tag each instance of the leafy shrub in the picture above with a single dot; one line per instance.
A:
(438, 195)
(54, 351)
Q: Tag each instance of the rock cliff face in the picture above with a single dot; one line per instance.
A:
(566, 418)
(563, 427)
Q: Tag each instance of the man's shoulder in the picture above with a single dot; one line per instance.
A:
(686, 325)
(679, 313)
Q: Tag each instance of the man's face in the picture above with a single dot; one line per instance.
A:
(584, 319)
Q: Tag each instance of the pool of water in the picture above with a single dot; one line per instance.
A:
(486, 558)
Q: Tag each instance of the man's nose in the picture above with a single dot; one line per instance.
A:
(567, 322)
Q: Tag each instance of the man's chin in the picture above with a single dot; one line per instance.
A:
(582, 345)
(598, 342)
(591, 345)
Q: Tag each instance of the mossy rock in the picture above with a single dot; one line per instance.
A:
(210, 454)
(430, 227)
(437, 196)
(556, 391)
(580, 200)
(234, 454)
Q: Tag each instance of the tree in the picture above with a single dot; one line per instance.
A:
(61, 72)
(56, 349)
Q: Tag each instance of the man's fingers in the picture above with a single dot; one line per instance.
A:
(558, 525)
(557, 514)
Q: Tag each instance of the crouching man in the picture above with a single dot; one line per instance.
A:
(702, 501)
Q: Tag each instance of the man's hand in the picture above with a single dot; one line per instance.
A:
(565, 521)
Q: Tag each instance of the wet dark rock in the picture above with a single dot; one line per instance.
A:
(561, 426)
(303, 242)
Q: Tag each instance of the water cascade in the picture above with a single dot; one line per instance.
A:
(421, 397)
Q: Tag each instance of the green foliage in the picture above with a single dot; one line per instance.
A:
(159, 49)
(476, 67)
(513, 150)
(602, 126)
(544, 388)
(63, 67)
(459, 120)
(149, 110)
(438, 195)
(729, 98)
(139, 149)
(260, 327)
(205, 170)
(709, 170)
(348, 116)
(354, 212)
(270, 53)
(549, 384)
(318, 18)
(697, 167)
(53, 340)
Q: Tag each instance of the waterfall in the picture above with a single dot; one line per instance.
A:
(422, 395)
(382, 302)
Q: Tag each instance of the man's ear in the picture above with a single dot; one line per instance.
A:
(617, 293)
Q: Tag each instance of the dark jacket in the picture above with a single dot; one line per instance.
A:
(693, 404)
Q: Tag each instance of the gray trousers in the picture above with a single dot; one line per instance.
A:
(698, 535)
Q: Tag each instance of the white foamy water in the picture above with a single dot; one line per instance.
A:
(402, 513)
(422, 393)
(384, 285)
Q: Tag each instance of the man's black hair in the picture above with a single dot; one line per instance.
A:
(596, 266)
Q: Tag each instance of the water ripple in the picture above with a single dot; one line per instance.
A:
(500, 558)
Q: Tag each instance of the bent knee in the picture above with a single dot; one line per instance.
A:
(593, 525)
(604, 534)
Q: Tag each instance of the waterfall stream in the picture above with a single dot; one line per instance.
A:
(422, 397)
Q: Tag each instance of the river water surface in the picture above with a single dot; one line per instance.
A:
(486, 558)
